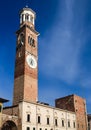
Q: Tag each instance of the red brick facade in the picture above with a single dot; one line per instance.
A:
(76, 104)
(25, 78)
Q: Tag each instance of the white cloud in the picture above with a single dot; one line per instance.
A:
(64, 44)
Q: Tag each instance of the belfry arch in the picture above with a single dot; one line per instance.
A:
(9, 125)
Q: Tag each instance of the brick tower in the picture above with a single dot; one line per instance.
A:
(76, 104)
(25, 76)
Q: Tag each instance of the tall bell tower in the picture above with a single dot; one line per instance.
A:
(26, 70)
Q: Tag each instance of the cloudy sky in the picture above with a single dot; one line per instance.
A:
(64, 47)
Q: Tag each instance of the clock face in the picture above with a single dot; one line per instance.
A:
(31, 61)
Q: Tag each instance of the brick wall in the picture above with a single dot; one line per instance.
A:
(66, 103)
(76, 104)
(13, 110)
(25, 79)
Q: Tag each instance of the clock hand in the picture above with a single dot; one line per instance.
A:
(31, 62)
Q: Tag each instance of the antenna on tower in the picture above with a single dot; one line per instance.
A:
(26, 6)
(27, 3)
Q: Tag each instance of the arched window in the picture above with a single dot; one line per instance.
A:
(27, 17)
(39, 119)
(22, 37)
(68, 123)
(22, 17)
(31, 41)
(48, 121)
(28, 117)
(74, 125)
(56, 122)
(31, 18)
(28, 128)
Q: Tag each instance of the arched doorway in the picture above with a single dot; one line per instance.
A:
(9, 125)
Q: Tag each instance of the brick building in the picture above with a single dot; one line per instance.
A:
(76, 104)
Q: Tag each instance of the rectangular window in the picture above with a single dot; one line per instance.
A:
(56, 123)
(39, 119)
(62, 123)
(28, 117)
(47, 120)
(28, 128)
(68, 123)
(74, 125)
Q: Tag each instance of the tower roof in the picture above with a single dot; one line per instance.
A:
(27, 9)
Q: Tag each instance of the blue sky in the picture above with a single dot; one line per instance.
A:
(64, 47)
